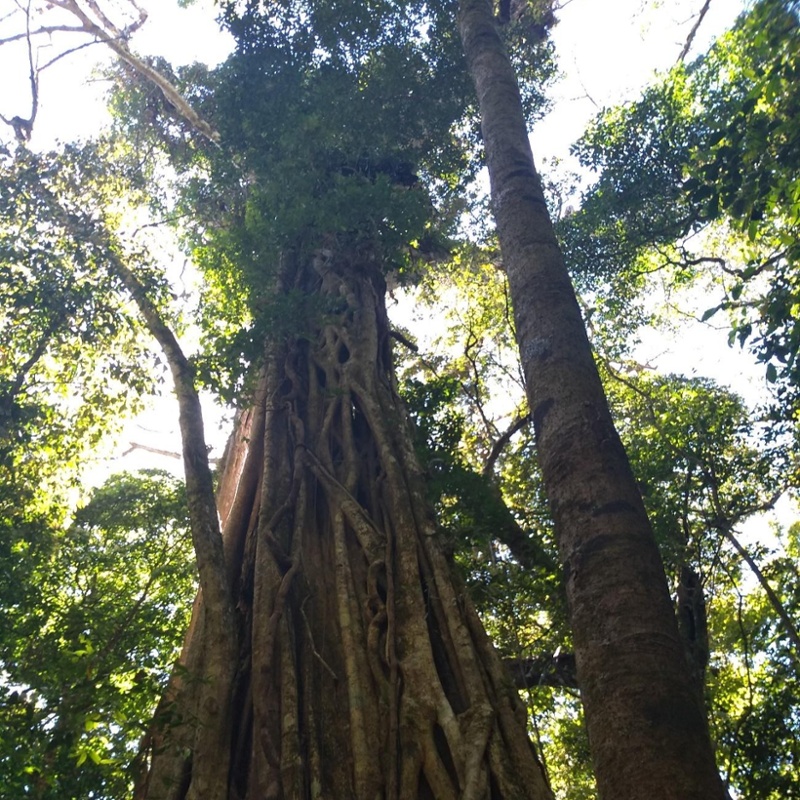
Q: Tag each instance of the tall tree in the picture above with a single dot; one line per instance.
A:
(647, 727)
(360, 668)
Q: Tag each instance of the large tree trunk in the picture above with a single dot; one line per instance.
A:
(647, 729)
(364, 671)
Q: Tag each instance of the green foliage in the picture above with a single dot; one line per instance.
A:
(560, 732)
(640, 151)
(748, 169)
(71, 358)
(753, 695)
(333, 113)
(713, 147)
(695, 450)
(347, 130)
(747, 166)
(88, 614)
(704, 469)
(508, 568)
(87, 641)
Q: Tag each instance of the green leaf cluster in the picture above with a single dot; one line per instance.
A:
(72, 362)
(347, 129)
(713, 148)
(88, 638)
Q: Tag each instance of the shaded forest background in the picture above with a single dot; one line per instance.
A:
(694, 194)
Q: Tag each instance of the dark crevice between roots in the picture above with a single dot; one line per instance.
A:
(443, 749)
(447, 675)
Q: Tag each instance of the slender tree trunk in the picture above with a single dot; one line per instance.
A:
(647, 730)
(211, 742)
(364, 671)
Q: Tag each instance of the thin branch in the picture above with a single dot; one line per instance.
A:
(497, 448)
(405, 341)
(155, 450)
(116, 41)
(159, 452)
(472, 341)
(66, 53)
(38, 352)
(136, 24)
(693, 31)
(725, 527)
(23, 128)
(32, 73)
(745, 273)
(774, 600)
(47, 29)
(557, 670)
(106, 32)
(199, 484)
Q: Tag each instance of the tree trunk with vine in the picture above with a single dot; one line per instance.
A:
(363, 669)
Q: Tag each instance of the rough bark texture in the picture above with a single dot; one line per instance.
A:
(364, 671)
(647, 729)
(693, 626)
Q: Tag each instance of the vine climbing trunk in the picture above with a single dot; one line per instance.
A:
(647, 728)
(364, 671)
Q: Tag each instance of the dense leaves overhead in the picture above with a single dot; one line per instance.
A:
(72, 361)
(78, 673)
(714, 149)
(344, 127)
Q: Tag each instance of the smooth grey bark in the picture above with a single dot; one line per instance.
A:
(647, 729)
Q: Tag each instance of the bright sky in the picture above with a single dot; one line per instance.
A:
(609, 51)
(72, 98)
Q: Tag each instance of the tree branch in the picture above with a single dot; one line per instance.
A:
(158, 451)
(46, 29)
(774, 600)
(497, 448)
(24, 127)
(38, 352)
(104, 30)
(212, 743)
(725, 527)
(211, 747)
(404, 340)
(693, 31)
(199, 483)
(116, 40)
(557, 670)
